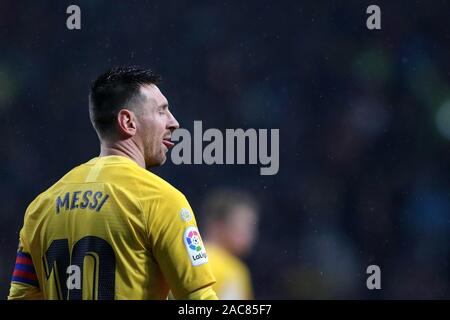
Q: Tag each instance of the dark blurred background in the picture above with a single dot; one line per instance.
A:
(364, 119)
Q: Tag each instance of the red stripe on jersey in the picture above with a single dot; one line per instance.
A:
(24, 260)
(24, 274)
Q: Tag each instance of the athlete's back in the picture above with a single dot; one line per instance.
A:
(109, 229)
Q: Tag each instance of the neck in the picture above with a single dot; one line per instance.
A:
(125, 148)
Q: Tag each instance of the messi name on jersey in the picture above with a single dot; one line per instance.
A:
(92, 200)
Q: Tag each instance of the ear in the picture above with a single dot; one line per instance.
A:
(126, 121)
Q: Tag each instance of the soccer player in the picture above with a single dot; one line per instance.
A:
(111, 229)
(231, 220)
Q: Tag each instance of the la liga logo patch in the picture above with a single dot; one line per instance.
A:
(193, 240)
(194, 246)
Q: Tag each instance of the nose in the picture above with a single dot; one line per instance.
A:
(173, 123)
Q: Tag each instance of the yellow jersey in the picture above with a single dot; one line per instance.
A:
(232, 275)
(109, 229)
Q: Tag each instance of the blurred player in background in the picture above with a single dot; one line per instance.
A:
(111, 229)
(231, 220)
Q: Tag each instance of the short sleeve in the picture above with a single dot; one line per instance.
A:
(177, 244)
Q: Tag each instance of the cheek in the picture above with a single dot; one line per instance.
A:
(152, 135)
(243, 233)
(156, 129)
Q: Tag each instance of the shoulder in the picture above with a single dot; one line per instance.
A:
(230, 263)
(158, 187)
(47, 196)
(34, 212)
(161, 200)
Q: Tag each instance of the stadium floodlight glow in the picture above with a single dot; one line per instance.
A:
(235, 147)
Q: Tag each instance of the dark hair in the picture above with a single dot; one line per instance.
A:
(220, 203)
(117, 88)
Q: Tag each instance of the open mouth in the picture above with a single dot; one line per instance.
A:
(169, 144)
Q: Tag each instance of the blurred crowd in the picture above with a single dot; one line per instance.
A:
(364, 119)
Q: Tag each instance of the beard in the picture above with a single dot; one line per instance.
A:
(156, 158)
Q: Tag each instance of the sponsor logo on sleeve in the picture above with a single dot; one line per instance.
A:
(194, 246)
(185, 215)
